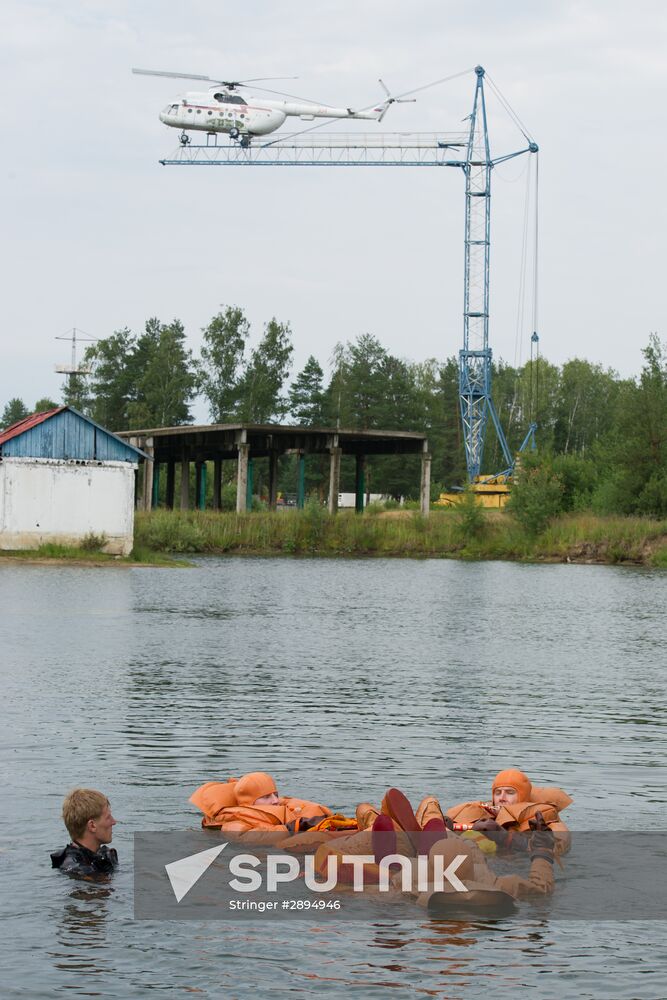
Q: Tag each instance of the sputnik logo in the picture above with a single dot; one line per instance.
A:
(186, 872)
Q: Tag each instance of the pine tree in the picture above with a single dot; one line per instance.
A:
(306, 395)
(14, 411)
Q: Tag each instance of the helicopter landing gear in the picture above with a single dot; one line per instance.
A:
(184, 139)
(234, 133)
(245, 142)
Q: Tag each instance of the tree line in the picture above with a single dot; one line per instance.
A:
(602, 436)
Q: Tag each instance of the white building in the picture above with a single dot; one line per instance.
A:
(64, 478)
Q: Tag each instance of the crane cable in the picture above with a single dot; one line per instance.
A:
(406, 93)
(510, 111)
(535, 340)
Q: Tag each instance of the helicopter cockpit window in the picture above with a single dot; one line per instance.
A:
(229, 98)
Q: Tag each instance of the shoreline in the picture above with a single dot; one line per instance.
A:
(584, 538)
(165, 539)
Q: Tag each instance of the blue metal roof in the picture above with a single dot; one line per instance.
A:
(66, 434)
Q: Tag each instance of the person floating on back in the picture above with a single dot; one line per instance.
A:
(251, 807)
(87, 816)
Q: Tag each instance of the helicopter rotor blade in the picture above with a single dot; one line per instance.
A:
(392, 100)
(294, 97)
(256, 79)
(385, 88)
(176, 76)
(232, 84)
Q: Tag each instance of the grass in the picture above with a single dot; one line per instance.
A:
(570, 538)
(584, 537)
(51, 551)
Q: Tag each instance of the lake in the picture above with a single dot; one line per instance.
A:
(341, 678)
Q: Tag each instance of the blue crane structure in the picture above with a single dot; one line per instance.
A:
(475, 368)
(415, 150)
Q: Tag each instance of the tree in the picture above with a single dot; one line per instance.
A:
(76, 393)
(641, 436)
(14, 411)
(165, 379)
(113, 382)
(306, 395)
(263, 380)
(366, 381)
(219, 367)
(44, 404)
(585, 406)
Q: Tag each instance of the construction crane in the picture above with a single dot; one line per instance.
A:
(475, 398)
(469, 151)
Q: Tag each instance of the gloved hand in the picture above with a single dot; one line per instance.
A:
(541, 839)
(486, 825)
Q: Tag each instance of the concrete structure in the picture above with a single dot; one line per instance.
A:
(172, 446)
(62, 478)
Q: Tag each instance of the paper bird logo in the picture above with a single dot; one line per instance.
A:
(186, 872)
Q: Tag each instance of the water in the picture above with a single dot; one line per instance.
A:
(341, 678)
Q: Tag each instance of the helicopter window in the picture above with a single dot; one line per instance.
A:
(198, 111)
(229, 98)
(189, 111)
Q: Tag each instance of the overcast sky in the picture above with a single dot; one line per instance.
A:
(99, 236)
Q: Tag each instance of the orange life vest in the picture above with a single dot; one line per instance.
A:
(517, 815)
(217, 800)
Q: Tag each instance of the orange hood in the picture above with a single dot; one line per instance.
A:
(253, 786)
(513, 778)
(213, 796)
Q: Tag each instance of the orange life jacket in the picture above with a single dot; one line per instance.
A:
(217, 800)
(516, 816)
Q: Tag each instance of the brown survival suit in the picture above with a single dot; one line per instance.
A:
(476, 875)
(232, 807)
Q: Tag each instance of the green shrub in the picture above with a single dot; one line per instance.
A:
(653, 497)
(536, 497)
(92, 542)
(579, 477)
(470, 517)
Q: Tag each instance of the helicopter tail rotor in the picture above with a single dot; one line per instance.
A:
(390, 99)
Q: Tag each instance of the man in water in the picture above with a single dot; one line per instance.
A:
(87, 816)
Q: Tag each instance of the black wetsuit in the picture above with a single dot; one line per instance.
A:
(79, 860)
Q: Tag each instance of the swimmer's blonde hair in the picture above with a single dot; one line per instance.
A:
(80, 805)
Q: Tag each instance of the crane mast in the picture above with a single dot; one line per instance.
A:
(475, 399)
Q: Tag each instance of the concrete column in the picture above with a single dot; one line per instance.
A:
(334, 478)
(425, 492)
(134, 441)
(301, 481)
(217, 484)
(273, 479)
(200, 485)
(242, 479)
(185, 481)
(171, 483)
(156, 485)
(360, 483)
(251, 484)
(148, 473)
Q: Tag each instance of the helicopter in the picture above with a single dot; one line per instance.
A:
(222, 109)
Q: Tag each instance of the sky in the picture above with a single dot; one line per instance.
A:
(99, 236)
